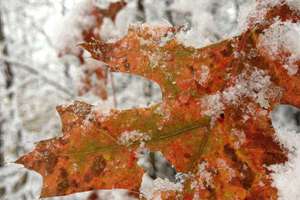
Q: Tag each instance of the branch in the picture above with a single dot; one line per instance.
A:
(113, 89)
(33, 71)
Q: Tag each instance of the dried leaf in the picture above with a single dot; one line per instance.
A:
(213, 124)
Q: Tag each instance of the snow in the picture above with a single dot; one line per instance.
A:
(259, 10)
(204, 75)
(37, 29)
(112, 31)
(206, 177)
(159, 174)
(155, 164)
(295, 4)
(164, 40)
(103, 3)
(224, 166)
(77, 20)
(256, 85)
(202, 179)
(286, 177)
(102, 108)
(212, 105)
(192, 38)
(245, 12)
(129, 137)
(207, 21)
(150, 189)
(283, 37)
(117, 194)
(240, 136)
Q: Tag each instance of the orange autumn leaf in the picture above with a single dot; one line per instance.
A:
(213, 124)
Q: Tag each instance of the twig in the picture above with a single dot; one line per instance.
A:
(31, 70)
(113, 89)
(41, 30)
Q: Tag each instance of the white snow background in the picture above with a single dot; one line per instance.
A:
(35, 30)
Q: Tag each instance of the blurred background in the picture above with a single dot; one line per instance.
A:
(41, 66)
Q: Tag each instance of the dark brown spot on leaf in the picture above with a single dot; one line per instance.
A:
(74, 183)
(63, 173)
(98, 165)
(87, 178)
(51, 161)
(62, 186)
(248, 175)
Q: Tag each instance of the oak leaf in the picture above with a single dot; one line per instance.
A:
(213, 124)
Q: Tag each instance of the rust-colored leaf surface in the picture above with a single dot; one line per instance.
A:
(213, 123)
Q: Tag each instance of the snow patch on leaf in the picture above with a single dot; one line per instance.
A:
(213, 105)
(203, 179)
(240, 138)
(217, 21)
(280, 39)
(159, 175)
(155, 164)
(204, 76)
(151, 189)
(224, 166)
(255, 85)
(129, 137)
(205, 175)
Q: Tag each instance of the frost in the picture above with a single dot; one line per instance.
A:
(130, 137)
(282, 38)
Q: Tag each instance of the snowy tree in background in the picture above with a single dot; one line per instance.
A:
(41, 66)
